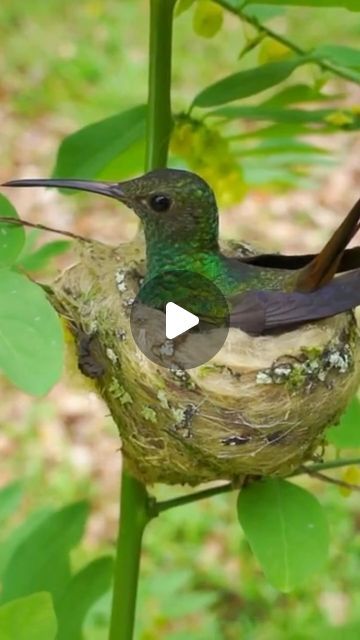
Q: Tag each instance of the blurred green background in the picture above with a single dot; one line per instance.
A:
(64, 65)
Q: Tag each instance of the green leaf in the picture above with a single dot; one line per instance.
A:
(339, 55)
(247, 83)
(12, 237)
(353, 5)
(17, 536)
(262, 12)
(182, 6)
(31, 336)
(347, 432)
(41, 561)
(283, 145)
(41, 257)
(10, 497)
(87, 152)
(31, 618)
(296, 93)
(84, 589)
(290, 116)
(286, 529)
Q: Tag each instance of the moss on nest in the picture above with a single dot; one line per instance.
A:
(259, 407)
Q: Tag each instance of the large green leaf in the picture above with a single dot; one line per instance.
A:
(12, 237)
(10, 496)
(31, 618)
(347, 433)
(41, 561)
(84, 589)
(287, 531)
(31, 337)
(247, 83)
(87, 152)
(353, 5)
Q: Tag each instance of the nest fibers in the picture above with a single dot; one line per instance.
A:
(259, 407)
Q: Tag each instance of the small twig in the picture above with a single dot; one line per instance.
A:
(330, 480)
(43, 227)
(331, 464)
(314, 470)
(193, 497)
(323, 64)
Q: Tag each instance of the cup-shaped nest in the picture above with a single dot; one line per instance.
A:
(259, 407)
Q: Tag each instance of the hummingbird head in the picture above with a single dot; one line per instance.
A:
(174, 205)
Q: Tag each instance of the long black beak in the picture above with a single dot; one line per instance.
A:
(110, 189)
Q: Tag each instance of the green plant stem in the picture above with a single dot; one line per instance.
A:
(193, 497)
(134, 516)
(159, 121)
(264, 29)
(226, 488)
(331, 464)
(137, 508)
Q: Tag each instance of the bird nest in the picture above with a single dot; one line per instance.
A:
(259, 407)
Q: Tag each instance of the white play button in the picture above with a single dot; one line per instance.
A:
(178, 320)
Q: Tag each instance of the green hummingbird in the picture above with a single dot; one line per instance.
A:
(266, 293)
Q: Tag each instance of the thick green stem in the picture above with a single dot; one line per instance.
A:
(134, 516)
(159, 121)
(137, 508)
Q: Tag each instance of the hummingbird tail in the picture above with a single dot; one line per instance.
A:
(324, 265)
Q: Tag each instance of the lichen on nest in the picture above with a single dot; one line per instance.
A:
(259, 407)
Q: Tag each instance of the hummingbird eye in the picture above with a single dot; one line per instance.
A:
(159, 202)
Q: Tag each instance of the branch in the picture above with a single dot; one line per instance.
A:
(330, 480)
(313, 469)
(193, 497)
(42, 227)
(323, 64)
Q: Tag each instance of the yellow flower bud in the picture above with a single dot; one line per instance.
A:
(352, 476)
(339, 118)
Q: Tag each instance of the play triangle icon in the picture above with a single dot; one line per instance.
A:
(178, 320)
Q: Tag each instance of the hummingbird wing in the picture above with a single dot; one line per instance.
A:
(261, 312)
(350, 259)
(317, 270)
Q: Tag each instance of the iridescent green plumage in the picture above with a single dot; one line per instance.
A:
(180, 219)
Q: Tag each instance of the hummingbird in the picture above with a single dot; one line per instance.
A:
(268, 293)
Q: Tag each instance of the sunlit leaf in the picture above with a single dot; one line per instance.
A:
(286, 529)
(247, 83)
(31, 618)
(347, 432)
(31, 337)
(12, 237)
(85, 153)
